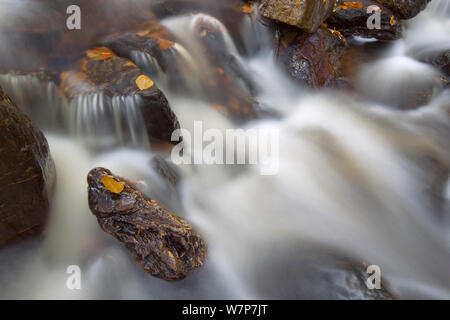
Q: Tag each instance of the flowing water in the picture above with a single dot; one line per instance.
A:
(353, 183)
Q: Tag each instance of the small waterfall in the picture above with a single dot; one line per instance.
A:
(40, 100)
(104, 122)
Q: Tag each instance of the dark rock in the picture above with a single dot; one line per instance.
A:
(304, 14)
(350, 18)
(152, 47)
(312, 59)
(439, 60)
(163, 244)
(326, 274)
(103, 71)
(230, 89)
(168, 172)
(27, 174)
(405, 9)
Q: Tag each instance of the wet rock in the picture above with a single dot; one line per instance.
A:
(155, 50)
(230, 89)
(351, 18)
(27, 174)
(405, 9)
(163, 244)
(304, 14)
(102, 71)
(439, 60)
(168, 172)
(312, 59)
(326, 274)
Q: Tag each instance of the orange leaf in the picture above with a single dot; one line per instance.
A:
(130, 64)
(144, 82)
(393, 22)
(247, 9)
(220, 71)
(356, 5)
(100, 53)
(165, 44)
(113, 185)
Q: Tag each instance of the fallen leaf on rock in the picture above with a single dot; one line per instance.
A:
(143, 82)
(100, 53)
(356, 5)
(247, 9)
(393, 22)
(165, 44)
(113, 185)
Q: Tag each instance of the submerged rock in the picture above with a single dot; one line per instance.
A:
(119, 78)
(163, 244)
(351, 19)
(304, 14)
(405, 9)
(27, 174)
(439, 60)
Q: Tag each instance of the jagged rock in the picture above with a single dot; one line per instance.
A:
(312, 59)
(405, 9)
(304, 14)
(27, 174)
(102, 71)
(163, 244)
(351, 17)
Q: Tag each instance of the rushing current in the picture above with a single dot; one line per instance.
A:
(352, 181)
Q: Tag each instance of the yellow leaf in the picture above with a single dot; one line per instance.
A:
(165, 44)
(247, 9)
(130, 64)
(144, 82)
(356, 5)
(100, 53)
(113, 185)
(393, 22)
(220, 71)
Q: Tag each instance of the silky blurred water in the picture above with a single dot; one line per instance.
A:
(352, 185)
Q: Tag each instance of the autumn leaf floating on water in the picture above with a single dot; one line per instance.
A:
(143, 82)
(113, 185)
(100, 53)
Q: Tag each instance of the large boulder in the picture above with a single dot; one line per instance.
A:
(163, 244)
(27, 174)
(304, 14)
